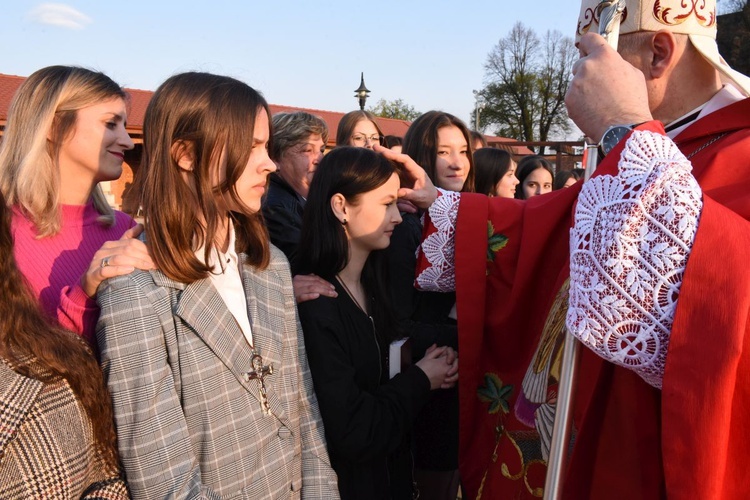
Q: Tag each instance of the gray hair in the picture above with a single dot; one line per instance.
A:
(290, 129)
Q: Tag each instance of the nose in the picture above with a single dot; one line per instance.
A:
(538, 191)
(125, 141)
(267, 165)
(515, 181)
(456, 161)
(319, 158)
(397, 219)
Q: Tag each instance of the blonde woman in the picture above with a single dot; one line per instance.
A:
(66, 134)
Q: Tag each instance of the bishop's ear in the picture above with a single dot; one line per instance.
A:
(338, 206)
(664, 53)
(183, 154)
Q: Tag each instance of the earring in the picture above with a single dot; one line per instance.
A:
(343, 222)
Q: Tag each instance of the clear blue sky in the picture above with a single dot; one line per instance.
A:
(431, 54)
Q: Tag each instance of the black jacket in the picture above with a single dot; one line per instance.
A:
(282, 210)
(367, 417)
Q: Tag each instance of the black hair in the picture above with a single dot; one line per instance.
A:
(350, 172)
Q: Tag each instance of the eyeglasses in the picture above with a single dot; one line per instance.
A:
(362, 140)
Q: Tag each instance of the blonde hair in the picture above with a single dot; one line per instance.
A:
(41, 116)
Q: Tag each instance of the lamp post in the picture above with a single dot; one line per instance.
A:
(478, 107)
(362, 93)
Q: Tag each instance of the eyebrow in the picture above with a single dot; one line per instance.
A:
(390, 197)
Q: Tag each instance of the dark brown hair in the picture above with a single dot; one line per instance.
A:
(37, 349)
(212, 114)
(527, 165)
(491, 165)
(349, 121)
(421, 142)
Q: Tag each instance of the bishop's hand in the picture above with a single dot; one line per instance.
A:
(606, 90)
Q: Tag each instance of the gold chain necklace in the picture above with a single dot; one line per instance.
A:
(351, 295)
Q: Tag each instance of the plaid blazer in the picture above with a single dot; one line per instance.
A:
(47, 444)
(188, 424)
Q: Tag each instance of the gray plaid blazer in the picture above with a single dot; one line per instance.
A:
(188, 424)
(47, 445)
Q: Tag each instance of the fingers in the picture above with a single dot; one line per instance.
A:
(116, 258)
(133, 232)
(309, 287)
(434, 352)
(406, 206)
(591, 42)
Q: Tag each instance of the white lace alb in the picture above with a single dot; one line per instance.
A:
(439, 247)
(628, 249)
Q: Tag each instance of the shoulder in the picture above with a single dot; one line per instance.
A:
(320, 311)
(123, 220)
(130, 290)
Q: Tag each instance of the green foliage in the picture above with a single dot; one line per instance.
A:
(495, 393)
(396, 109)
(526, 79)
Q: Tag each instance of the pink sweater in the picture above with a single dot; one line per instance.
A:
(54, 265)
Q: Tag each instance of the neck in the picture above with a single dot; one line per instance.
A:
(75, 192)
(689, 87)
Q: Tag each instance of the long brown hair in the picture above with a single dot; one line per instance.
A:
(37, 349)
(212, 114)
(421, 142)
(349, 121)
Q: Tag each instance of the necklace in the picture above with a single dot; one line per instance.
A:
(351, 295)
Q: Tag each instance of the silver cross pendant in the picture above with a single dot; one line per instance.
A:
(259, 373)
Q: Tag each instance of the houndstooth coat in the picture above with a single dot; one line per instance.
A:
(189, 425)
(47, 444)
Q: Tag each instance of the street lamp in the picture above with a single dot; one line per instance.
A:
(362, 93)
(478, 107)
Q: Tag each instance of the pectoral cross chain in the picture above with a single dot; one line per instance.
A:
(259, 373)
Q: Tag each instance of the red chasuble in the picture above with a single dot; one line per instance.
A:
(629, 440)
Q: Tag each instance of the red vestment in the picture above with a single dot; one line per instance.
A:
(630, 440)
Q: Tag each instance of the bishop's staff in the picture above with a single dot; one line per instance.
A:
(610, 14)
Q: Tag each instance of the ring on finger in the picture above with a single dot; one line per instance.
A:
(105, 262)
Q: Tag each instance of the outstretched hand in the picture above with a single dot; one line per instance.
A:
(606, 90)
(116, 258)
(423, 192)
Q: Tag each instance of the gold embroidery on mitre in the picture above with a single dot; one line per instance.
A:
(591, 16)
(686, 9)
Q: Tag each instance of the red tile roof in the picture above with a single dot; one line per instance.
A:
(139, 101)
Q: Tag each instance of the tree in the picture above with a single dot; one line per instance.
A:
(525, 84)
(397, 109)
(729, 6)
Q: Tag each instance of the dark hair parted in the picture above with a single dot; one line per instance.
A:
(392, 140)
(477, 136)
(563, 176)
(349, 121)
(213, 117)
(490, 165)
(351, 172)
(527, 165)
(421, 143)
(35, 348)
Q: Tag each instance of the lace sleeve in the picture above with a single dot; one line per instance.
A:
(436, 270)
(628, 250)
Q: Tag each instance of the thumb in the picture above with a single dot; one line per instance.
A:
(133, 232)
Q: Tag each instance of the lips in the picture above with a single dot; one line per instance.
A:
(119, 155)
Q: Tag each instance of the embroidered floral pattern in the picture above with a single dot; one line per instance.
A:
(628, 251)
(495, 242)
(439, 247)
